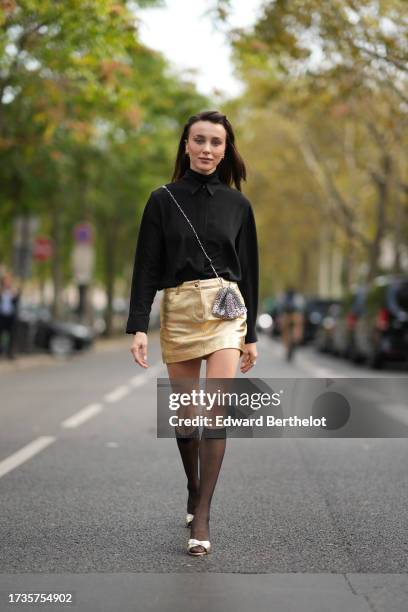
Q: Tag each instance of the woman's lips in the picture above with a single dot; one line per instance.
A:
(204, 159)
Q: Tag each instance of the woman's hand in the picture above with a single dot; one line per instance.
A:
(248, 359)
(139, 349)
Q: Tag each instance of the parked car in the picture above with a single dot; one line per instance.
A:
(324, 337)
(36, 329)
(314, 312)
(343, 331)
(266, 320)
(381, 332)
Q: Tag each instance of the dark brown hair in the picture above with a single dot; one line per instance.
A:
(231, 168)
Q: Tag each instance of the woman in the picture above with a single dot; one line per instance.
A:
(9, 303)
(168, 256)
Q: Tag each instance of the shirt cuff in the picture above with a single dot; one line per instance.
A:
(251, 337)
(137, 323)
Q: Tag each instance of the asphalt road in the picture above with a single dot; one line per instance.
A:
(92, 503)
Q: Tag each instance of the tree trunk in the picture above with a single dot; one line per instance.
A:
(304, 270)
(110, 254)
(382, 184)
(347, 264)
(399, 224)
(56, 258)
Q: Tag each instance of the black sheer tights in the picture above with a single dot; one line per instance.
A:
(188, 445)
(202, 460)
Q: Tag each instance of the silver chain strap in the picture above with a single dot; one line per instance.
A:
(195, 233)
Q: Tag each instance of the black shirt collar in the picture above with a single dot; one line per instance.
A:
(197, 180)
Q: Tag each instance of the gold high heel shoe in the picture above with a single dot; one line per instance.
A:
(192, 543)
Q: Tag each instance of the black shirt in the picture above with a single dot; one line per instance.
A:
(168, 253)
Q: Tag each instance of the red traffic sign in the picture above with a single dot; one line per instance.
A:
(83, 233)
(42, 248)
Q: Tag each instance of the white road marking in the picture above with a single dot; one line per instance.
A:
(113, 396)
(393, 410)
(314, 370)
(141, 379)
(31, 449)
(25, 453)
(311, 369)
(117, 394)
(138, 381)
(83, 415)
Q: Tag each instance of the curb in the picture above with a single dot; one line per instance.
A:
(101, 345)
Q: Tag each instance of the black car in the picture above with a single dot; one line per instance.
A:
(324, 337)
(36, 329)
(351, 310)
(314, 312)
(381, 332)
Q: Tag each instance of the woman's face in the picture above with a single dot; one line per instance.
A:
(206, 146)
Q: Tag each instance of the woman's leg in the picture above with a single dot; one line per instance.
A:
(220, 364)
(187, 445)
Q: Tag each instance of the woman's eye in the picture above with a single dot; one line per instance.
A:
(215, 143)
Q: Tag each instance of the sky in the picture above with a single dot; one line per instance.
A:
(189, 41)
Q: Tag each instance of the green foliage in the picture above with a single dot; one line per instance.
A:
(328, 83)
(88, 121)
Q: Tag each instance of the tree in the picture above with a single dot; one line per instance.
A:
(87, 122)
(337, 72)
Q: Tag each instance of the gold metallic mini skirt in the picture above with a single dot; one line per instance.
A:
(188, 329)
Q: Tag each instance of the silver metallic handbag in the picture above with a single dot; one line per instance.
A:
(227, 303)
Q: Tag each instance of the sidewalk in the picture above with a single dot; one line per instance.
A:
(24, 362)
(213, 592)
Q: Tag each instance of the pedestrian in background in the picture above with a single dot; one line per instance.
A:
(198, 242)
(292, 319)
(9, 301)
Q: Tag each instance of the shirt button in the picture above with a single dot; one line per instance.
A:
(195, 284)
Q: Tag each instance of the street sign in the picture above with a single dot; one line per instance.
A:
(43, 248)
(83, 233)
(82, 261)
